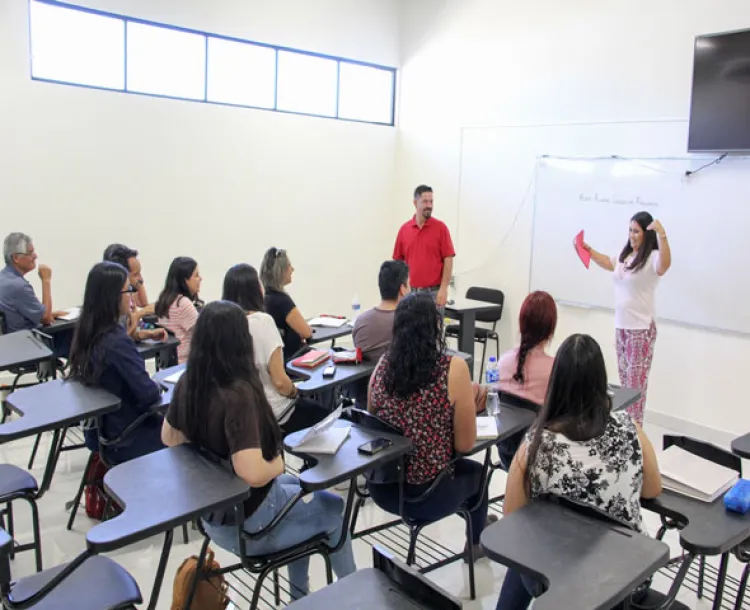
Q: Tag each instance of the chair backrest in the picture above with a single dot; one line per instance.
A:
(704, 450)
(491, 295)
(423, 591)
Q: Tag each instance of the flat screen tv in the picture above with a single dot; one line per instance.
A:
(720, 107)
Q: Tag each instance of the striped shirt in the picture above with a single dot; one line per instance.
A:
(180, 321)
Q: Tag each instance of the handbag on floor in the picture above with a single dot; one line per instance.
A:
(210, 593)
(95, 498)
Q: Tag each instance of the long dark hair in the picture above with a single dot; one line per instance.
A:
(221, 357)
(175, 286)
(242, 286)
(577, 403)
(538, 320)
(416, 348)
(100, 315)
(644, 219)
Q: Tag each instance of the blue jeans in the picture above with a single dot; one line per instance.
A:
(320, 512)
(517, 591)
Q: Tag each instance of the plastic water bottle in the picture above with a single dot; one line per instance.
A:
(355, 307)
(492, 406)
(491, 373)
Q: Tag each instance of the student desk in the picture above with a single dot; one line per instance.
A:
(162, 491)
(313, 381)
(622, 397)
(22, 348)
(321, 334)
(465, 311)
(560, 547)
(741, 446)
(510, 420)
(706, 529)
(150, 348)
(59, 326)
(54, 406)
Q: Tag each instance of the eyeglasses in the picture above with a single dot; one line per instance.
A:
(130, 289)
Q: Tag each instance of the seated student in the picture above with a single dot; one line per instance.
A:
(373, 329)
(178, 303)
(18, 302)
(427, 394)
(276, 273)
(579, 449)
(104, 356)
(219, 404)
(242, 286)
(139, 306)
(525, 371)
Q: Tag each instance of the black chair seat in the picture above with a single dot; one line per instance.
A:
(98, 584)
(480, 334)
(14, 480)
(312, 543)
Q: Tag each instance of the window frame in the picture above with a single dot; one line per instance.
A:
(209, 35)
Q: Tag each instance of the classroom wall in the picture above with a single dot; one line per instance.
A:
(543, 62)
(81, 168)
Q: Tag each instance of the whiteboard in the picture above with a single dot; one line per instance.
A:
(706, 216)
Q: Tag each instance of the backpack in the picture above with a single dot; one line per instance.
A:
(95, 498)
(210, 593)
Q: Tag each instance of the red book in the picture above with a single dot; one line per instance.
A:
(311, 359)
(583, 254)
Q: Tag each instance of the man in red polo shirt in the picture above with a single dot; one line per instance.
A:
(425, 244)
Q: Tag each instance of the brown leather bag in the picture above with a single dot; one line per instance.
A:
(210, 593)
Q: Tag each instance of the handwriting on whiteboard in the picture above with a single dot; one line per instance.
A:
(637, 201)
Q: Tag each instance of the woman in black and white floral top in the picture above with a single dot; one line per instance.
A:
(580, 450)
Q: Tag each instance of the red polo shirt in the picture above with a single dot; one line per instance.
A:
(424, 250)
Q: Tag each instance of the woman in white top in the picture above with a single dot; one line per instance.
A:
(293, 412)
(644, 259)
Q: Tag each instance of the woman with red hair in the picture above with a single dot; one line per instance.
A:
(525, 371)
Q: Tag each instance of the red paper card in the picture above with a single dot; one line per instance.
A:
(583, 254)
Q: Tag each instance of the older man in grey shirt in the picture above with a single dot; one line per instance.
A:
(18, 302)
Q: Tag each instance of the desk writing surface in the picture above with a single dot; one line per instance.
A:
(509, 421)
(321, 334)
(53, 405)
(59, 326)
(710, 528)
(347, 462)
(741, 446)
(466, 305)
(313, 380)
(619, 558)
(365, 589)
(163, 490)
(22, 348)
(148, 348)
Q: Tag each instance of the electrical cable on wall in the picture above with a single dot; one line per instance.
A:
(716, 161)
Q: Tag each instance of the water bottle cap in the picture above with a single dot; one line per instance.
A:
(493, 359)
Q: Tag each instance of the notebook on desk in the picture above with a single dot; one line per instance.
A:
(324, 437)
(312, 358)
(689, 475)
(328, 322)
(70, 314)
(486, 427)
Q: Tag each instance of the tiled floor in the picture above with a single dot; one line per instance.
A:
(141, 560)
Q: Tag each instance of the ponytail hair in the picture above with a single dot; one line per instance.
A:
(538, 320)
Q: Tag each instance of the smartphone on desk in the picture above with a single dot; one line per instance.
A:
(374, 446)
(329, 372)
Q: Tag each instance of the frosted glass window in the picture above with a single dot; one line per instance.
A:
(77, 47)
(307, 84)
(365, 93)
(241, 73)
(169, 62)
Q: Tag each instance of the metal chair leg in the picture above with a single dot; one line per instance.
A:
(742, 587)
(34, 450)
(484, 358)
(413, 534)
(329, 568)
(701, 575)
(185, 538)
(37, 534)
(11, 528)
(79, 493)
(470, 549)
(276, 590)
(201, 561)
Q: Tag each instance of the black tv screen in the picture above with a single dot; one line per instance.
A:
(720, 108)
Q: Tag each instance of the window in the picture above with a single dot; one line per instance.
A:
(81, 46)
(163, 61)
(77, 47)
(307, 84)
(365, 93)
(241, 73)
